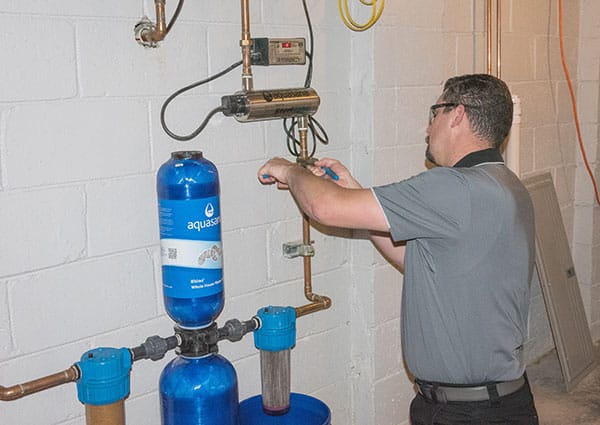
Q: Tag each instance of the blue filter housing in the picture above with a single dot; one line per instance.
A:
(199, 391)
(190, 239)
(104, 376)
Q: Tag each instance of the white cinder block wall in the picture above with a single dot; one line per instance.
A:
(586, 235)
(80, 143)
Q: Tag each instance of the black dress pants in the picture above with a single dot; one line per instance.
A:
(513, 409)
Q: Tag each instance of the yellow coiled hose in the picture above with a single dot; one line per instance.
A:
(351, 23)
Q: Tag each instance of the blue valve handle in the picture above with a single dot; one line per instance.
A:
(330, 173)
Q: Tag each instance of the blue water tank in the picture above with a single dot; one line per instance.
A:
(190, 239)
(304, 410)
(199, 391)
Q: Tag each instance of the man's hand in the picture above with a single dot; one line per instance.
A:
(344, 179)
(276, 170)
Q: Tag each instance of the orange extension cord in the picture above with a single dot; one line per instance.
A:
(574, 102)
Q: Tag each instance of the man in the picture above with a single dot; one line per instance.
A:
(463, 233)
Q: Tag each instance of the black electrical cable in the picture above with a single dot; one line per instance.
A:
(316, 129)
(321, 134)
(183, 90)
(309, 71)
(175, 16)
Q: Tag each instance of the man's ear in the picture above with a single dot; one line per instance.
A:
(459, 115)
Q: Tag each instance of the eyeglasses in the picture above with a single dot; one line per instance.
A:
(433, 109)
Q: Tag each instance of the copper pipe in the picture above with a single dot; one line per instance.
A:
(40, 384)
(155, 33)
(498, 37)
(109, 414)
(161, 20)
(489, 37)
(318, 302)
(246, 45)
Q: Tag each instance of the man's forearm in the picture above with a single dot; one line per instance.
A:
(393, 253)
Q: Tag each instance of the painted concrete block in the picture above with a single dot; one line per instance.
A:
(583, 233)
(404, 65)
(402, 13)
(113, 64)
(470, 53)
(387, 351)
(392, 399)
(241, 192)
(122, 214)
(245, 260)
(6, 345)
(222, 46)
(584, 191)
(564, 184)
(387, 117)
(337, 285)
(517, 57)
(594, 300)
(92, 297)
(332, 60)
(562, 99)
(587, 102)
(547, 148)
(331, 248)
(41, 228)
(228, 12)
(307, 357)
(293, 14)
(281, 268)
(581, 254)
(535, 103)
(523, 13)
(75, 140)
(40, 67)
(336, 397)
(589, 57)
(588, 22)
(386, 161)
(76, 8)
(280, 204)
(457, 15)
(411, 102)
(567, 138)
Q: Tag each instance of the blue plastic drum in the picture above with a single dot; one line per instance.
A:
(304, 410)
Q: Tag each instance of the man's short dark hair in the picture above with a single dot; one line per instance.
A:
(488, 104)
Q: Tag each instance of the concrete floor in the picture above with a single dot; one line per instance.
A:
(557, 407)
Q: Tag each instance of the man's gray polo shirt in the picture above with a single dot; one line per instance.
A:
(468, 264)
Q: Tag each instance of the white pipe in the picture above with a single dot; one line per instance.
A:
(513, 144)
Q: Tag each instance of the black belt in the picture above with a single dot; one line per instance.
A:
(442, 393)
